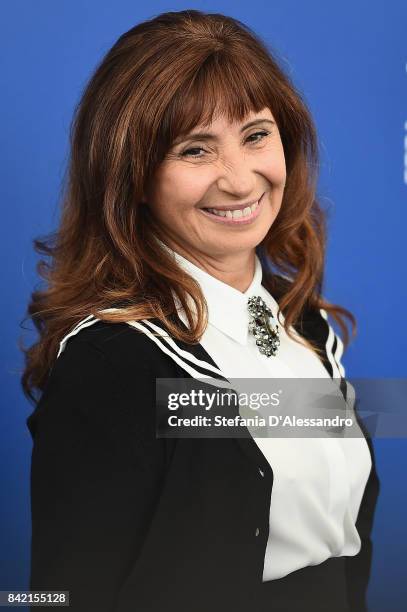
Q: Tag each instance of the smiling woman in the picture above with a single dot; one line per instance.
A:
(238, 167)
(191, 246)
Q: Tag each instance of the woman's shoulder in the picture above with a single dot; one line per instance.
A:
(313, 325)
(123, 346)
(101, 369)
(312, 320)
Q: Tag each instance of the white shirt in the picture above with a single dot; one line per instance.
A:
(318, 482)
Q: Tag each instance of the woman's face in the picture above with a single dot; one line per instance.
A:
(232, 165)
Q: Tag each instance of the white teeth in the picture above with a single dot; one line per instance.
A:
(235, 214)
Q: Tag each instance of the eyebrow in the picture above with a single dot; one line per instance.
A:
(210, 136)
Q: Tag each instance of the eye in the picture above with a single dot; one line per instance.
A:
(259, 134)
(187, 152)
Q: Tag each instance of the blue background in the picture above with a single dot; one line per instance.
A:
(349, 60)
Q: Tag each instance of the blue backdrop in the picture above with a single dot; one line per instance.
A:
(349, 60)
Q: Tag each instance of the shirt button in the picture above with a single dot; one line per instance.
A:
(261, 472)
(256, 533)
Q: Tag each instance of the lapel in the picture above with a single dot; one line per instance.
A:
(196, 362)
(313, 326)
(247, 444)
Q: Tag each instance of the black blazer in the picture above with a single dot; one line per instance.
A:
(128, 522)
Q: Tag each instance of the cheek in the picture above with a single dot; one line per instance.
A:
(176, 190)
(276, 167)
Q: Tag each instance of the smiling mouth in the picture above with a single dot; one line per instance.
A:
(237, 215)
(233, 214)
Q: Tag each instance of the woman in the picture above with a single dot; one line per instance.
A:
(191, 190)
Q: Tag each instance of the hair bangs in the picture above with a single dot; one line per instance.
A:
(219, 88)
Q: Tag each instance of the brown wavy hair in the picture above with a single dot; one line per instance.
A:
(159, 80)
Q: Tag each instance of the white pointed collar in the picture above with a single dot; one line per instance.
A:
(227, 306)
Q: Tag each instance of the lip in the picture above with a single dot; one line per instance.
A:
(241, 221)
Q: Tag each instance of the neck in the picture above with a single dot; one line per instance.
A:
(235, 269)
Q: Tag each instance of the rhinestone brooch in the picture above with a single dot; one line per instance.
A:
(263, 329)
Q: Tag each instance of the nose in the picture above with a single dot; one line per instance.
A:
(236, 176)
